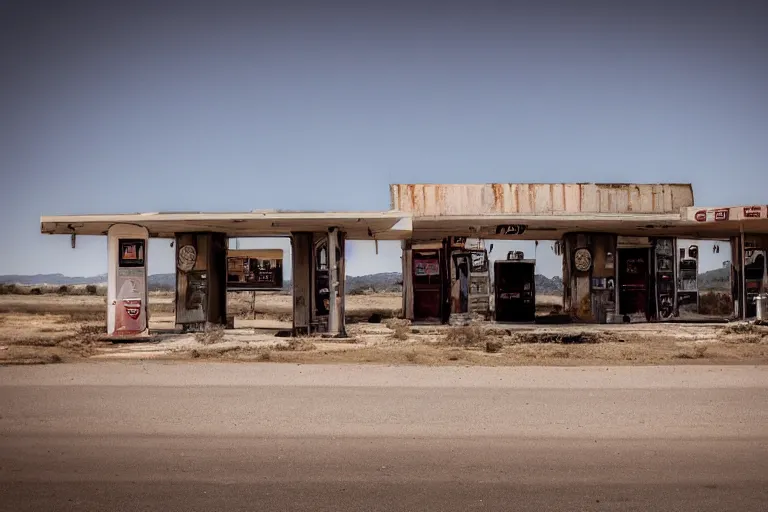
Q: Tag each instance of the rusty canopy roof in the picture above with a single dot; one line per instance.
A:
(689, 222)
(538, 211)
(357, 225)
(540, 198)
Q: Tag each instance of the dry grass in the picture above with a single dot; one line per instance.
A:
(745, 328)
(211, 336)
(465, 336)
(493, 346)
(401, 329)
(567, 338)
(744, 333)
(69, 313)
(715, 304)
(41, 329)
(297, 345)
(20, 289)
(697, 352)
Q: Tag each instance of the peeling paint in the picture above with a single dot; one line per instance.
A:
(540, 198)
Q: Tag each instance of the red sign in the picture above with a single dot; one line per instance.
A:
(127, 320)
(701, 216)
(753, 212)
(722, 214)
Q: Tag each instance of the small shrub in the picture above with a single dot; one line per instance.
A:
(91, 289)
(455, 355)
(715, 304)
(560, 353)
(265, 356)
(466, 335)
(401, 329)
(698, 352)
(564, 337)
(411, 356)
(9, 289)
(63, 290)
(743, 328)
(493, 346)
(91, 331)
(38, 342)
(210, 336)
(297, 345)
(36, 291)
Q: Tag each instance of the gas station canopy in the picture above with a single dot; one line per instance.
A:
(357, 225)
(692, 222)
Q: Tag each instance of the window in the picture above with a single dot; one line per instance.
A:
(321, 258)
(131, 253)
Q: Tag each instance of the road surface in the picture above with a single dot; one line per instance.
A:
(211, 436)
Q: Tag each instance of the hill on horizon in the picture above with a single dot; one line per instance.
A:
(718, 279)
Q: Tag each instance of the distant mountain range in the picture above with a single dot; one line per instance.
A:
(159, 280)
(718, 279)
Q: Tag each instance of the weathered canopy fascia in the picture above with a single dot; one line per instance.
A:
(357, 225)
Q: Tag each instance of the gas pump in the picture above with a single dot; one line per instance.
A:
(127, 308)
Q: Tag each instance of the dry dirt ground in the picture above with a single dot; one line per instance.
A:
(52, 328)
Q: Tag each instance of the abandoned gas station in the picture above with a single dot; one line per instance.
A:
(622, 260)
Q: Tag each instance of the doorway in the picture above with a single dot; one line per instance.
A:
(515, 290)
(427, 285)
(633, 281)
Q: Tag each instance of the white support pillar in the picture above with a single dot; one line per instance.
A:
(127, 293)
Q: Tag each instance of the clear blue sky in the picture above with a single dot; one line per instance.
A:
(109, 107)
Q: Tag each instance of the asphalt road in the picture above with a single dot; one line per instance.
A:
(207, 436)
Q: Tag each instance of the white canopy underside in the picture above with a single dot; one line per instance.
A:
(393, 225)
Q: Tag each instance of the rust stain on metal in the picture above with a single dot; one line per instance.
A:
(532, 198)
(552, 196)
(565, 202)
(539, 198)
(498, 197)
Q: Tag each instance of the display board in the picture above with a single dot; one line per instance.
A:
(254, 269)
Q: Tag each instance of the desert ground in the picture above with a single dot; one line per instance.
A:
(188, 436)
(50, 328)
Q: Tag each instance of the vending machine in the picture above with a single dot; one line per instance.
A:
(754, 276)
(664, 256)
(688, 277)
(515, 289)
(127, 307)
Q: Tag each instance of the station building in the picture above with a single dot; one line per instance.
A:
(620, 247)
